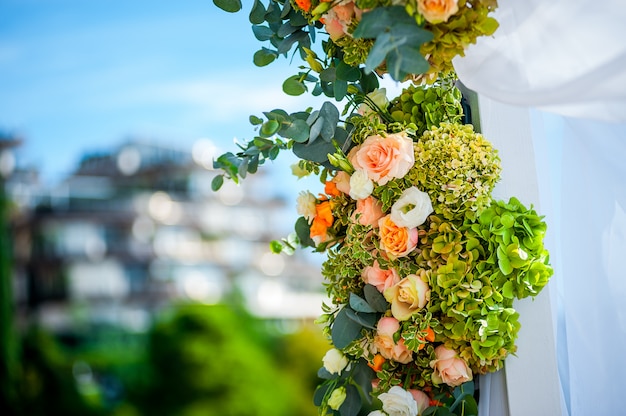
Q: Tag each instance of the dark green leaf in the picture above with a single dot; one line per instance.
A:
(255, 121)
(316, 152)
(316, 129)
(375, 299)
(340, 90)
(367, 320)
(328, 74)
(286, 29)
(297, 130)
(352, 405)
(293, 86)
(257, 13)
(405, 60)
(262, 33)
(269, 128)
(369, 82)
(347, 73)
(287, 43)
(264, 57)
(323, 373)
(303, 230)
(363, 376)
(217, 182)
(230, 6)
(359, 304)
(344, 329)
(319, 394)
(330, 114)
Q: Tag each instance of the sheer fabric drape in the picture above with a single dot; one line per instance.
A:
(567, 61)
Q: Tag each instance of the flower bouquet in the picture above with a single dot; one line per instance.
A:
(423, 265)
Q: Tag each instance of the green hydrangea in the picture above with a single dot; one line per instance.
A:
(427, 106)
(457, 167)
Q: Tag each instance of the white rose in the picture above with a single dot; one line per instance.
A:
(306, 205)
(412, 208)
(361, 186)
(376, 413)
(379, 99)
(398, 402)
(334, 361)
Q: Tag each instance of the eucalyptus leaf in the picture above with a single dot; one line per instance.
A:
(297, 130)
(286, 29)
(262, 33)
(217, 182)
(320, 393)
(340, 89)
(303, 230)
(359, 304)
(297, 36)
(264, 57)
(347, 73)
(293, 86)
(269, 128)
(257, 13)
(323, 373)
(230, 6)
(375, 299)
(367, 320)
(344, 329)
(352, 404)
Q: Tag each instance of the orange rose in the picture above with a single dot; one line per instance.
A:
(437, 11)
(384, 158)
(304, 5)
(396, 241)
(323, 219)
(330, 188)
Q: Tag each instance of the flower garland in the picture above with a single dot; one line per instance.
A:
(423, 265)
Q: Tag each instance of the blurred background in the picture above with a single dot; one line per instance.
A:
(128, 287)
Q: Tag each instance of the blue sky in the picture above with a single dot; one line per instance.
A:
(79, 76)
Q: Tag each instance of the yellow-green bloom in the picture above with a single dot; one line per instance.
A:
(337, 397)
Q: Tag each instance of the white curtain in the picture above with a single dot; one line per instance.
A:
(566, 59)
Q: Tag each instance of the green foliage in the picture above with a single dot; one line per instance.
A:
(214, 360)
(46, 384)
(398, 41)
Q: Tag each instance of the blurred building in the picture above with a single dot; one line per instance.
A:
(134, 229)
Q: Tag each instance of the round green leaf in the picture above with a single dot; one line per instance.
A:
(230, 6)
(264, 57)
(269, 128)
(293, 86)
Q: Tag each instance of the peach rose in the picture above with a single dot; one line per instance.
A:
(396, 241)
(437, 11)
(385, 158)
(338, 19)
(368, 211)
(342, 181)
(386, 346)
(407, 297)
(422, 400)
(380, 278)
(449, 367)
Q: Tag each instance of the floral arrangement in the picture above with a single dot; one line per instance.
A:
(423, 265)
